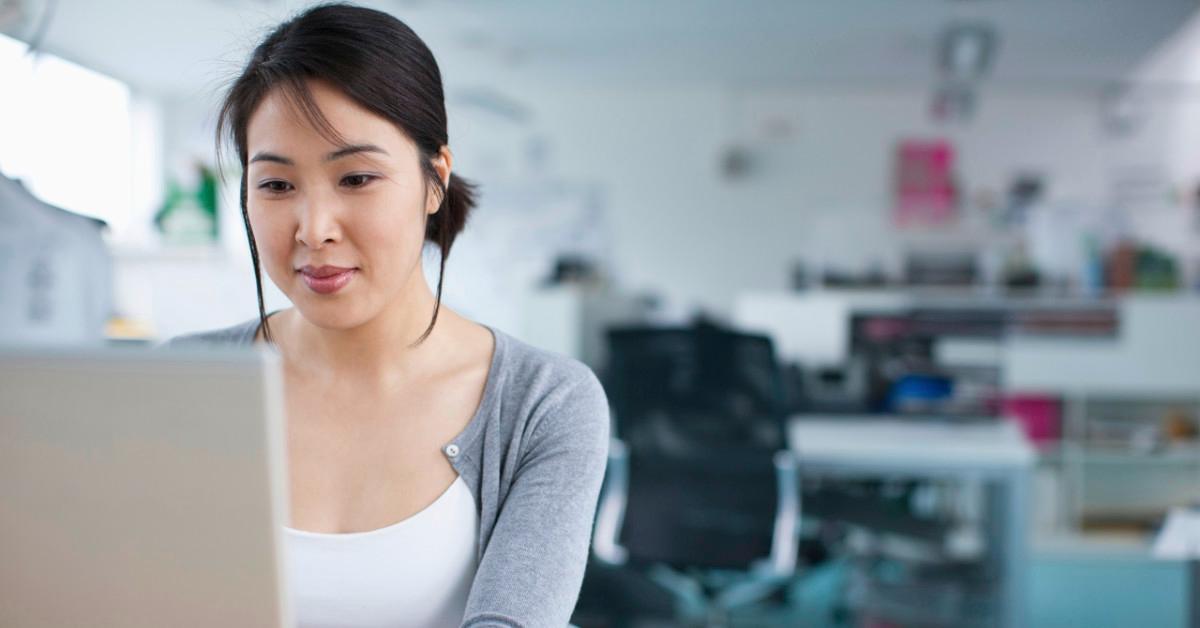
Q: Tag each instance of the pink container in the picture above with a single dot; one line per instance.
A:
(1039, 415)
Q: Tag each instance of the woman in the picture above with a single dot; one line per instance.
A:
(441, 472)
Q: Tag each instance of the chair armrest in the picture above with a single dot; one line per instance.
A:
(785, 537)
(610, 515)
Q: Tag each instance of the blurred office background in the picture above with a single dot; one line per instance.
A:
(942, 254)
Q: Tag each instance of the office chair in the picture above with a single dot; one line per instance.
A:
(699, 480)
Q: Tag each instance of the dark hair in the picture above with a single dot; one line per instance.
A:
(379, 63)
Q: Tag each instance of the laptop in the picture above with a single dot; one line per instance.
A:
(141, 488)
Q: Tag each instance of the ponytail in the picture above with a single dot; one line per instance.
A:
(458, 199)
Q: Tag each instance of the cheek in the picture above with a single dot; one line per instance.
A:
(393, 227)
(272, 237)
(393, 239)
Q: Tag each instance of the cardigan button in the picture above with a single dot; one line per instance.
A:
(451, 450)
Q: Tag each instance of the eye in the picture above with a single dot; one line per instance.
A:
(275, 186)
(357, 180)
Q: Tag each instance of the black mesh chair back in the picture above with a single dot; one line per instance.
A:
(700, 414)
(710, 513)
(683, 391)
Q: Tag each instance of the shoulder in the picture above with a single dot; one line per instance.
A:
(538, 370)
(559, 396)
(234, 335)
(539, 376)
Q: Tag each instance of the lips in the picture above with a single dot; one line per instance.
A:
(327, 279)
(322, 272)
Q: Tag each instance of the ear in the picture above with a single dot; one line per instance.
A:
(442, 162)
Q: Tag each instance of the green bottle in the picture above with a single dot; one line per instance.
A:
(189, 217)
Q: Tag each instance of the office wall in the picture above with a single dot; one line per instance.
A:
(816, 188)
(822, 193)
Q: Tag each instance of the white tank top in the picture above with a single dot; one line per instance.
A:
(412, 574)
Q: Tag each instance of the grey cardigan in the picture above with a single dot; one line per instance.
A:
(533, 456)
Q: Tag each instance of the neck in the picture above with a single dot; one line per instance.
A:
(378, 352)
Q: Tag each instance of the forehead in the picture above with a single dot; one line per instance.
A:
(279, 124)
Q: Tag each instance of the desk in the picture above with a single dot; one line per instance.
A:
(994, 452)
(1180, 540)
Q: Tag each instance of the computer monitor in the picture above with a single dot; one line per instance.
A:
(141, 488)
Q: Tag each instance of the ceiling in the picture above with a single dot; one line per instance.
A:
(185, 47)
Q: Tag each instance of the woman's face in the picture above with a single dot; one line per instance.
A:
(360, 207)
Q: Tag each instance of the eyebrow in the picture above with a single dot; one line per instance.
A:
(353, 149)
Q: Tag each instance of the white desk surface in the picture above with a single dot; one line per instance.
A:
(1180, 536)
(880, 441)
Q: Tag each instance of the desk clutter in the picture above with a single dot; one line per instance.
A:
(916, 464)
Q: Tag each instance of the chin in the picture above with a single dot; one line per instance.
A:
(329, 314)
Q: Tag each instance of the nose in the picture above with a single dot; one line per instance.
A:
(317, 222)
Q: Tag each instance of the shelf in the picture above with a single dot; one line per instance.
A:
(1094, 545)
(1190, 455)
(1060, 453)
(1156, 355)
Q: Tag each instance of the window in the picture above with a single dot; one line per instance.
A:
(67, 133)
